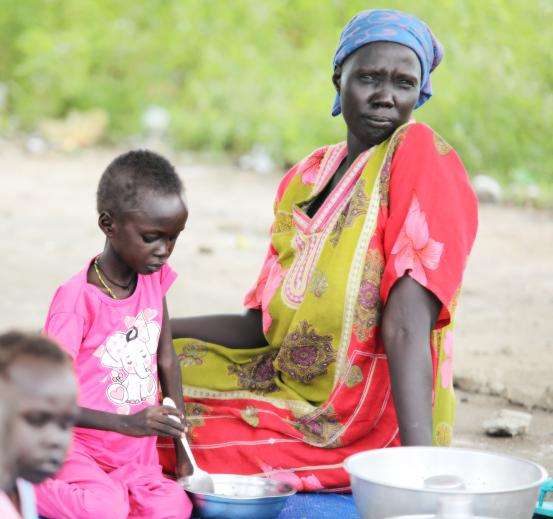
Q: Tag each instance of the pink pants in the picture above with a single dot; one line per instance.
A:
(83, 490)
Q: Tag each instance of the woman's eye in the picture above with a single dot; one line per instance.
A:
(368, 78)
(406, 83)
(149, 239)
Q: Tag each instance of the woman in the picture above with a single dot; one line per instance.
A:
(347, 341)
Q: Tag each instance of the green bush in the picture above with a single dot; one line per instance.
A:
(243, 72)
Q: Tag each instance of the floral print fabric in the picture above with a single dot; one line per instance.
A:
(415, 252)
(320, 390)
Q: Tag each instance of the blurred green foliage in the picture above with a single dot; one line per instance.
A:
(235, 73)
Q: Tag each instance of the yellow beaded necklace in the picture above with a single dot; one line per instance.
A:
(110, 291)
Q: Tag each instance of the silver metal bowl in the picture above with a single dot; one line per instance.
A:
(438, 483)
(240, 497)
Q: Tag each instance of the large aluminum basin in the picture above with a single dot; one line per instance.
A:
(443, 482)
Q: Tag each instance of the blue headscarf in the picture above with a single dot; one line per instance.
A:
(393, 26)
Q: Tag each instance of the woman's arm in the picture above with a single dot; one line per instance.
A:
(230, 330)
(171, 384)
(407, 321)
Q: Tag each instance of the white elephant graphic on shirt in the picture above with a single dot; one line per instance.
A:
(130, 356)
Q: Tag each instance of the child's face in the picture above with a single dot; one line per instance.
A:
(145, 238)
(45, 405)
(7, 458)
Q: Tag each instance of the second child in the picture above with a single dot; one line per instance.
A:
(112, 319)
(38, 380)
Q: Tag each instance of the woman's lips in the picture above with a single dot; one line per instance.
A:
(377, 121)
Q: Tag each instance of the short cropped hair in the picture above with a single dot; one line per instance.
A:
(17, 344)
(128, 176)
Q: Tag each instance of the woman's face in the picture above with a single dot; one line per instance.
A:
(379, 87)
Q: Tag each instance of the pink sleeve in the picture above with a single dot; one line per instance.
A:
(7, 510)
(254, 297)
(432, 217)
(167, 277)
(271, 273)
(67, 330)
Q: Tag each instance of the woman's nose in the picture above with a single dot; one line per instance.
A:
(383, 96)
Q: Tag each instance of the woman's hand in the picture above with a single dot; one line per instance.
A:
(155, 421)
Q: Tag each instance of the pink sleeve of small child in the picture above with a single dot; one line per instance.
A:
(167, 277)
(67, 330)
(7, 510)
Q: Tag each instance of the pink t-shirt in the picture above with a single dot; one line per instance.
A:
(113, 343)
(7, 510)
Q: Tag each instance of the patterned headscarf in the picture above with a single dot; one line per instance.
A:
(393, 26)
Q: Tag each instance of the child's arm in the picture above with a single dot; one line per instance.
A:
(67, 329)
(152, 421)
(171, 384)
(230, 330)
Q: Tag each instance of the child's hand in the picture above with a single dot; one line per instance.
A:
(155, 421)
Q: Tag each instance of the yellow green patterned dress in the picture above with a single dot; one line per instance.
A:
(320, 390)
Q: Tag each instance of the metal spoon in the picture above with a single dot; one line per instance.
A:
(199, 480)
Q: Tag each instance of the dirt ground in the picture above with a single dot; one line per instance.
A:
(504, 332)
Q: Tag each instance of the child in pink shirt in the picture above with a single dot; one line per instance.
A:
(38, 381)
(111, 317)
(7, 456)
